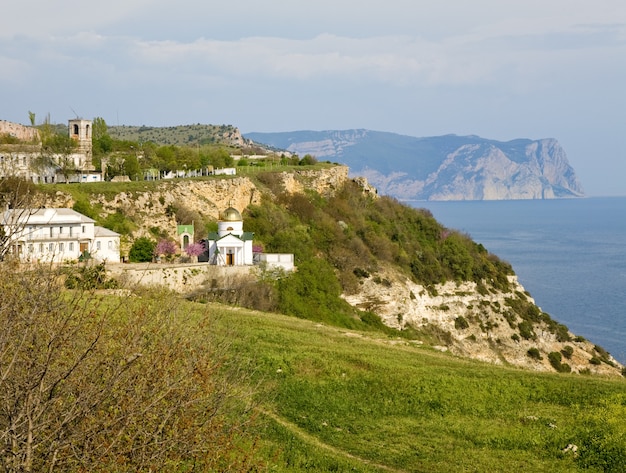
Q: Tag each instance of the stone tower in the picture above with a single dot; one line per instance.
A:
(80, 131)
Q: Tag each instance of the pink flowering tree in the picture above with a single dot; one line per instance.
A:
(194, 250)
(165, 248)
(257, 249)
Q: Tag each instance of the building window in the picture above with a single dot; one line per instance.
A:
(60, 230)
(110, 245)
(30, 248)
(50, 232)
(50, 246)
(71, 246)
(71, 228)
(83, 228)
(61, 247)
(40, 247)
(98, 245)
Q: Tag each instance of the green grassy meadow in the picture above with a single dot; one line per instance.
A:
(331, 399)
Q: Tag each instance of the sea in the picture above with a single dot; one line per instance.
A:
(570, 254)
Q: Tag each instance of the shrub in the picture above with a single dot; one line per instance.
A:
(567, 351)
(534, 353)
(118, 222)
(526, 330)
(119, 385)
(307, 160)
(142, 250)
(88, 277)
(361, 273)
(555, 360)
(83, 206)
(461, 323)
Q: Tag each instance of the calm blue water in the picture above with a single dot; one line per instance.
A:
(569, 254)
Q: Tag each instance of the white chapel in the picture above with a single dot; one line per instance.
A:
(230, 246)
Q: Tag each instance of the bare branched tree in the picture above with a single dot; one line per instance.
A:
(88, 385)
(19, 199)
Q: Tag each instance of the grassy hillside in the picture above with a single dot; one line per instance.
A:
(154, 383)
(182, 135)
(339, 242)
(338, 400)
(331, 388)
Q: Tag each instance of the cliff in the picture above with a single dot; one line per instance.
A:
(441, 168)
(496, 324)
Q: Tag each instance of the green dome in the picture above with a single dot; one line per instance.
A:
(231, 215)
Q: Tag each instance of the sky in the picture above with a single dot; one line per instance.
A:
(497, 69)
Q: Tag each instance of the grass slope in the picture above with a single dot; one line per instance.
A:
(339, 400)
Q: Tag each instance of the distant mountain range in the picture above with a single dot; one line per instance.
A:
(446, 167)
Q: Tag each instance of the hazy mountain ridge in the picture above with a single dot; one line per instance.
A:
(448, 167)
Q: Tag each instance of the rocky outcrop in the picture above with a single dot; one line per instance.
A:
(463, 318)
(325, 182)
(487, 172)
(477, 324)
(154, 208)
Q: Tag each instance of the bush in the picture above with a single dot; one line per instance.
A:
(534, 353)
(142, 250)
(526, 330)
(555, 360)
(88, 277)
(308, 160)
(119, 385)
(83, 206)
(461, 323)
(567, 351)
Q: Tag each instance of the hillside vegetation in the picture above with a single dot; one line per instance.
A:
(277, 372)
(363, 261)
(145, 381)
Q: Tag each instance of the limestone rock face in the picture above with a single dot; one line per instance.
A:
(488, 332)
(154, 209)
(441, 168)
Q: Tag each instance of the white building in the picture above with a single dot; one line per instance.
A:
(58, 235)
(230, 246)
(283, 261)
(29, 162)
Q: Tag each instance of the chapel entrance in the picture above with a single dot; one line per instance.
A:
(230, 259)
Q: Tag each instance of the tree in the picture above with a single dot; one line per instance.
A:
(131, 167)
(195, 249)
(60, 147)
(307, 160)
(165, 248)
(19, 199)
(120, 386)
(142, 250)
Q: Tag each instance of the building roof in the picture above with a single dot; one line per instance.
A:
(52, 216)
(100, 232)
(231, 214)
(184, 229)
(246, 236)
